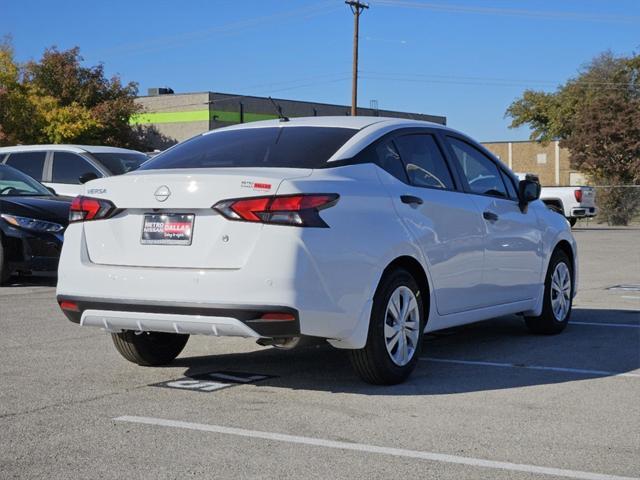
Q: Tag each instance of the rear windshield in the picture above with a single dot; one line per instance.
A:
(297, 147)
(119, 163)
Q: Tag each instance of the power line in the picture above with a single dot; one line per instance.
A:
(228, 28)
(461, 82)
(487, 81)
(512, 12)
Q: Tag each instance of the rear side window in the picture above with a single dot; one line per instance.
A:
(119, 163)
(31, 163)
(483, 176)
(68, 167)
(296, 147)
(385, 155)
(424, 162)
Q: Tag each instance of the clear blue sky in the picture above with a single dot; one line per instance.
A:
(464, 59)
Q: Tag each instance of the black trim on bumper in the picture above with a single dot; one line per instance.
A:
(247, 314)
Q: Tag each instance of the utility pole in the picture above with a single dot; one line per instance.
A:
(356, 7)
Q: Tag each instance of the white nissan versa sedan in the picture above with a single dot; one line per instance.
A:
(363, 231)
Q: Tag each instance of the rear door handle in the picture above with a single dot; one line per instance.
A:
(488, 215)
(411, 200)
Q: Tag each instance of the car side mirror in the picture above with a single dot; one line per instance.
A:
(87, 177)
(528, 191)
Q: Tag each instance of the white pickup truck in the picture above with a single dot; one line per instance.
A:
(572, 202)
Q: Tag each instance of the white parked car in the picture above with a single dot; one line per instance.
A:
(65, 168)
(363, 231)
(571, 202)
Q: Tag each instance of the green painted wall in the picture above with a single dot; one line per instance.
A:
(196, 116)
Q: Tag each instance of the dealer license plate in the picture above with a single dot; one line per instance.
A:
(167, 229)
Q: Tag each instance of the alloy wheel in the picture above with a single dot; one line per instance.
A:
(401, 326)
(561, 291)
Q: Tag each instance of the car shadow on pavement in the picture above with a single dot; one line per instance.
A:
(31, 281)
(595, 350)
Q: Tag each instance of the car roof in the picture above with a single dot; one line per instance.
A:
(345, 121)
(368, 129)
(66, 148)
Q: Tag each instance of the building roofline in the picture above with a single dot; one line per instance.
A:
(335, 105)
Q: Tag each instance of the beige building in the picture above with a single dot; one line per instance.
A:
(174, 117)
(549, 161)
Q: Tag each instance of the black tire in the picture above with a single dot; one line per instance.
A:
(4, 267)
(149, 348)
(373, 363)
(547, 323)
(572, 221)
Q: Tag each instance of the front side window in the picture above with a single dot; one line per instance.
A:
(424, 163)
(284, 147)
(31, 163)
(511, 188)
(483, 176)
(69, 167)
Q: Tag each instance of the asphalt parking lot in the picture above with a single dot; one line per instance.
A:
(487, 400)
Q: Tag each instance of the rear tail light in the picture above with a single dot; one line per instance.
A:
(84, 209)
(300, 210)
(578, 194)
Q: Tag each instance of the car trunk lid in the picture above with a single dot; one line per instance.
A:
(182, 199)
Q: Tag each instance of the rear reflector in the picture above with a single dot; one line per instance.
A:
(86, 208)
(578, 194)
(69, 306)
(278, 317)
(300, 210)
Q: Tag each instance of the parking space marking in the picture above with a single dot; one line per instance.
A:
(602, 324)
(361, 447)
(211, 381)
(580, 371)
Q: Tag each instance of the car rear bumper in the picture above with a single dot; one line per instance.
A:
(329, 291)
(581, 212)
(198, 319)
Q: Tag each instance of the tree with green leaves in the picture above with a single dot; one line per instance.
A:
(58, 100)
(596, 115)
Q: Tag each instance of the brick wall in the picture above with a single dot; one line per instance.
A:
(550, 162)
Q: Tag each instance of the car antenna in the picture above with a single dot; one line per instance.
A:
(279, 111)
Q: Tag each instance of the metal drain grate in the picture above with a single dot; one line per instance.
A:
(630, 287)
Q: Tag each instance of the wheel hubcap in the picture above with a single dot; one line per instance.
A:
(561, 291)
(401, 325)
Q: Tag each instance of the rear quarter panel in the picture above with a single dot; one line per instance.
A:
(364, 236)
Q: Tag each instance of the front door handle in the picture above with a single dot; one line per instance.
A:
(488, 215)
(411, 200)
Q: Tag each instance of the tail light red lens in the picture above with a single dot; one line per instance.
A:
(578, 194)
(300, 210)
(86, 208)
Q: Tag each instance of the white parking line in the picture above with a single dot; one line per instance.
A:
(581, 371)
(361, 447)
(602, 324)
